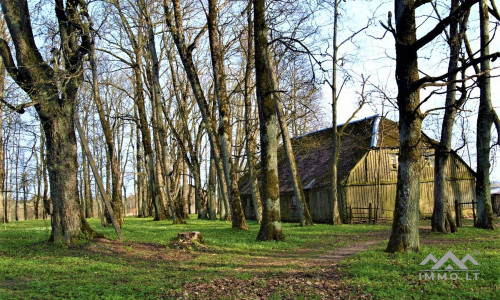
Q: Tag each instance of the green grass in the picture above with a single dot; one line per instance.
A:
(396, 276)
(32, 268)
(143, 267)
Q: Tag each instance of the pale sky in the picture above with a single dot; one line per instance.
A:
(373, 58)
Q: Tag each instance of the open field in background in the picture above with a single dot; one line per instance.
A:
(231, 264)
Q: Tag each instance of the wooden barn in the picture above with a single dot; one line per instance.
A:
(367, 173)
(495, 198)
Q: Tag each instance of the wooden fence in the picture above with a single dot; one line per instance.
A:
(459, 209)
(370, 213)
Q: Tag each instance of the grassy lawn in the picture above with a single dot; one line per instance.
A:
(232, 264)
(396, 276)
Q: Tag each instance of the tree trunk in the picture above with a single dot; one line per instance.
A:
(249, 134)
(405, 236)
(146, 141)
(336, 136)
(55, 107)
(16, 206)
(442, 220)
(25, 195)
(67, 221)
(185, 191)
(116, 195)
(45, 197)
(192, 74)
(3, 200)
(212, 183)
(485, 120)
(225, 129)
(98, 179)
(270, 228)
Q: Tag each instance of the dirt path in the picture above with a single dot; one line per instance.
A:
(300, 273)
(334, 256)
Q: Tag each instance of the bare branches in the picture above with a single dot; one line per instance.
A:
(19, 108)
(8, 60)
(496, 121)
(493, 10)
(364, 100)
(441, 26)
(427, 79)
(388, 27)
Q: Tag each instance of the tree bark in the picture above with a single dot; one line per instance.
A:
(442, 220)
(250, 142)
(212, 183)
(3, 200)
(270, 228)
(54, 106)
(336, 136)
(405, 236)
(116, 195)
(225, 129)
(185, 54)
(485, 120)
(305, 218)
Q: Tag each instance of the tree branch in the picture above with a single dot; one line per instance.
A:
(493, 10)
(427, 79)
(19, 108)
(496, 121)
(8, 60)
(441, 26)
(419, 3)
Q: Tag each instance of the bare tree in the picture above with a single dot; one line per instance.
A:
(485, 119)
(54, 98)
(405, 235)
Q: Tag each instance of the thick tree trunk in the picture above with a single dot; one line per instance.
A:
(270, 228)
(45, 197)
(55, 104)
(67, 222)
(485, 120)
(405, 236)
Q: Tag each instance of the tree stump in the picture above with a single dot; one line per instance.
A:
(190, 237)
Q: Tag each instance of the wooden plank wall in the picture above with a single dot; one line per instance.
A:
(362, 186)
(320, 205)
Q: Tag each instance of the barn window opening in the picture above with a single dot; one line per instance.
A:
(429, 159)
(393, 160)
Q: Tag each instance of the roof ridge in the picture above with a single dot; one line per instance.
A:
(338, 125)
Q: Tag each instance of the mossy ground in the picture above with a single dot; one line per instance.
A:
(232, 264)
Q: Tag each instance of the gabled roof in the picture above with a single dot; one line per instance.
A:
(313, 152)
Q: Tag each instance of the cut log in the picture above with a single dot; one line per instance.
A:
(190, 237)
